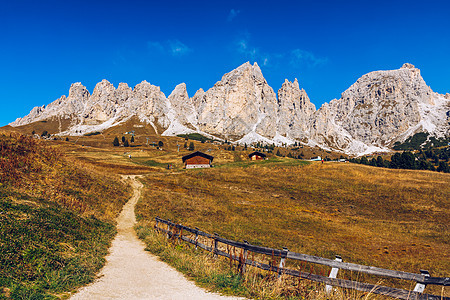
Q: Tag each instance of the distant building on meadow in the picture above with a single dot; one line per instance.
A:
(197, 160)
(257, 156)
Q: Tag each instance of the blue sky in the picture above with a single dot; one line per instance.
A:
(47, 45)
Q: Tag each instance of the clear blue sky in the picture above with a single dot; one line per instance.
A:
(47, 45)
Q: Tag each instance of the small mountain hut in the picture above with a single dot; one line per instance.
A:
(257, 156)
(197, 160)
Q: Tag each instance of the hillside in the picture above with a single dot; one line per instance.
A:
(395, 219)
(57, 219)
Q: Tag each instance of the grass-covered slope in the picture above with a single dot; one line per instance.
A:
(56, 219)
(395, 219)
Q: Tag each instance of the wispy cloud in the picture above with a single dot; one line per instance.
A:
(296, 57)
(172, 47)
(233, 14)
(299, 57)
(244, 47)
(177, 48)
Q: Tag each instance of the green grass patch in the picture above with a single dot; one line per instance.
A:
(195, 137)
(48, 250)
(150, 163)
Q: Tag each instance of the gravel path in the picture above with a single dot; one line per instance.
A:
(132, 273)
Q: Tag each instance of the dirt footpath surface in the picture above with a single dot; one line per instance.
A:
(132, 273)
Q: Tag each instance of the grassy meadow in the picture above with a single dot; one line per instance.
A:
(57, 218)
(395, 219)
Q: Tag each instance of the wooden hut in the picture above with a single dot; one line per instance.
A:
(197, 160)
(257, 156)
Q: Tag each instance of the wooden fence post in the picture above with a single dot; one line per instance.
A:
(282, 261)
(196, 237)
(168, 229)
(420, 287)
(215, 243)
(157, 221)
(180, 233)
(244, 258)
(333, 274)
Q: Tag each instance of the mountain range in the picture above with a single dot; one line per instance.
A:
(380, 108)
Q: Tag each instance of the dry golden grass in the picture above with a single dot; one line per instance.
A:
(394, 219)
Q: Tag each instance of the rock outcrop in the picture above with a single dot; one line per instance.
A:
(380, 108)
(294, 111)
(382, 105)
(240, 103)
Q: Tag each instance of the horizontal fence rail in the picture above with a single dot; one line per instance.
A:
(421, 280)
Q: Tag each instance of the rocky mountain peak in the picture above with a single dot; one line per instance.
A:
(294, 110)
(78, 91)
(241, 102)
(180, 91)
(408, 66)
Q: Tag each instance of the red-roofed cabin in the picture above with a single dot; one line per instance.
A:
(197, 160)
(257, 156)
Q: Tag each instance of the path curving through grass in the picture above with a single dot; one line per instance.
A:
(133, 273)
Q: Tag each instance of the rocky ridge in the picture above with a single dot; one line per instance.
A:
(380, 108)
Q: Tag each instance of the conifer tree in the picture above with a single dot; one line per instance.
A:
(116, 142)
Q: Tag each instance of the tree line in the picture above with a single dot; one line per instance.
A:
(432, 160)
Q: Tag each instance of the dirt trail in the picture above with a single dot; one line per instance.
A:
(133, 273)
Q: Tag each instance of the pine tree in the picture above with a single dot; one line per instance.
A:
(364, 160)
(191, 146)
(380, 162)
(160, 144)
(116, 142)
(443, 167)
(132, 139)
(123, 139)
(126, 144)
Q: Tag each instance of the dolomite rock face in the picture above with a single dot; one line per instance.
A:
(240, 103)
(149, 104)
(73, 105)
(383, 104)
(183, 106)
(380, 108)
(102, 104)
(106, 106)
(294, 111)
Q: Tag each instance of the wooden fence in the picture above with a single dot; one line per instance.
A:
(191, 235)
